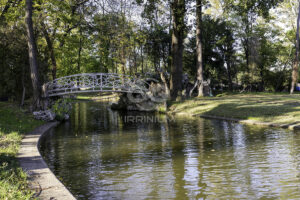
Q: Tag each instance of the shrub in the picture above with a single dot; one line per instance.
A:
(62, 109)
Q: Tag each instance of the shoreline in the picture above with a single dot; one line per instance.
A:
(41, 178)
(243, 121)
(291, 126)
(281, 111)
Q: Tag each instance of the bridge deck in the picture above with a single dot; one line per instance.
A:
(95, 82)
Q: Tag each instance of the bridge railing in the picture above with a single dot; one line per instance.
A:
(95, 82)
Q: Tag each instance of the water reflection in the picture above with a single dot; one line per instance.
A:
(100, 155)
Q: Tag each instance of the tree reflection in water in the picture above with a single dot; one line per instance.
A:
(98, 155)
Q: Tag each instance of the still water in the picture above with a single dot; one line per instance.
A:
(104, 154)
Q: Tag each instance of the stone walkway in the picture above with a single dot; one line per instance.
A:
(41, 179)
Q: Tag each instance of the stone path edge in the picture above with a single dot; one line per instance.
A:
(40, 177)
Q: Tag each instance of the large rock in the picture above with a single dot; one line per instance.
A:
(134, 102)
(45, 115)
(150, 101)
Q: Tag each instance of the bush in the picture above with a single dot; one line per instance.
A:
(62, 109)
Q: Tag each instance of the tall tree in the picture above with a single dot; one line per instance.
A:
(200, 78)
(178, 35)
(32, 51)
(50, 48)
(296, 62)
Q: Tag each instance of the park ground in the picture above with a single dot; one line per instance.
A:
(280, 109)
(14, 122)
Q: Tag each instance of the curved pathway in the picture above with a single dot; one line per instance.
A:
(41, 179)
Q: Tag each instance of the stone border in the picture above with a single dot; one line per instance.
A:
(41, 179)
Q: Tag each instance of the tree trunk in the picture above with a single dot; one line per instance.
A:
(51, 50)
(296, 62)
(80, 47)
(142, 56)
(199, 48)
(170, 42)
(262, 82)
(178, 13)
(164, 80)
(23, 86)
(229, 75)
(79, 55)
(246, 48)
(135, 59)
(123, 60)
(32, 50)
(246, 43)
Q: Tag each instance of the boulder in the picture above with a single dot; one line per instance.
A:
(45, 115)
(150, 101)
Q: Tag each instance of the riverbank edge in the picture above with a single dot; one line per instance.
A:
(41, 178)
(242, 121)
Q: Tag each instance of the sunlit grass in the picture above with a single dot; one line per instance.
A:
(13, 123)
(263, 107)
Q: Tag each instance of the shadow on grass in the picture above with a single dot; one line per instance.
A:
(248, 111)
(14, 119)
(13, 179)
(10, 169)
(262, 110)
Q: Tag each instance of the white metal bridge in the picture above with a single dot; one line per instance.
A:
(94, 82)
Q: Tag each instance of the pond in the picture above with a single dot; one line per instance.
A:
(105, 154)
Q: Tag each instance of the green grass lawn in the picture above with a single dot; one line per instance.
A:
(13, 124)
(262, 107)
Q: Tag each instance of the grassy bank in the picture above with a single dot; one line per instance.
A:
(261, 107)
(13, 123)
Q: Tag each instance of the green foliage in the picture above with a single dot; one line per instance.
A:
(14, 61)
(13, 123)
(61, 108)
(96, 36)
(162, 108)
(218, 47)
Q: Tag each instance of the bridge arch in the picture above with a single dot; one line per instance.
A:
(95, 82)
